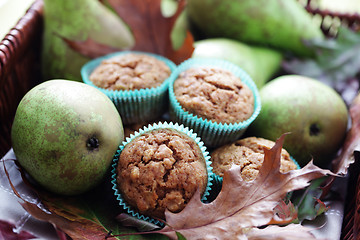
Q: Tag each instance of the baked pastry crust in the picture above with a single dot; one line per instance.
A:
(161, 169)
(214, 94)
(248, 153)
(129, 72)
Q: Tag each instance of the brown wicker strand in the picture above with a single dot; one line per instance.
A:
(357, 211)
(352, 21)
(19, 67)
(20, 52)
(351, 221)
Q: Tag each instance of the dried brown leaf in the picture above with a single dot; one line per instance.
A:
(346, 158)
(62, 235)
(241, 204)
(87, 217)
(151, 30)
(77, 227)
(90, 48)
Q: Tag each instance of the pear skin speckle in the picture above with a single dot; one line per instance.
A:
(313, 113)
(51, 128)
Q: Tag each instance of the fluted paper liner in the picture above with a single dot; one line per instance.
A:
(139, 105)
(212, 133)
(131, 210)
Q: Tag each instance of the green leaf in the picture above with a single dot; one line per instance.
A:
(336, 62)
(141, 225)
(180, 236)
(307, 201)
(93, 212)
(320, 207)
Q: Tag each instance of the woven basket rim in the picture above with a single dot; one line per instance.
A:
(19, 38)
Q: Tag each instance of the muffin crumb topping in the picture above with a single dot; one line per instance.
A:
(129, 72)
(214, 94)
(248, 153)
(161, 169)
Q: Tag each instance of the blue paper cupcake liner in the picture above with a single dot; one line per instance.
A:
(212, 133)
(131, 210)
(296, 163)
(138, 105)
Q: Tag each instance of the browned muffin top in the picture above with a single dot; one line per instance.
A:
(129, 72)
(214, 94)
(249, 154)
(161, 169)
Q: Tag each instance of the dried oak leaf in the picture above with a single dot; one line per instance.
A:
(341, 164)
(151, 30)
(241, 205)
(75, 226)
(83, 217)
(90, 48)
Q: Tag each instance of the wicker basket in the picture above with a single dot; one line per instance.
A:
(20, 52)
(330, 22)
(19, 67)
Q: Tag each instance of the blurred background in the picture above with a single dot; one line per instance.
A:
(12, 10)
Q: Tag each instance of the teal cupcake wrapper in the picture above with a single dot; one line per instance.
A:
(296, 163)
(212, 133)
(181, 128)
(137, 105)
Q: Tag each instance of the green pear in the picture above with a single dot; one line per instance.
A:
(78, 20)
(249, 58)
(282, 24)
(65, 134)
(313, 113)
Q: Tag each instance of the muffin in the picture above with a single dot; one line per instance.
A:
(249, 154)
(215, 98)
(137, 83)
(158, 168)
(129, 72)
(215, 94)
